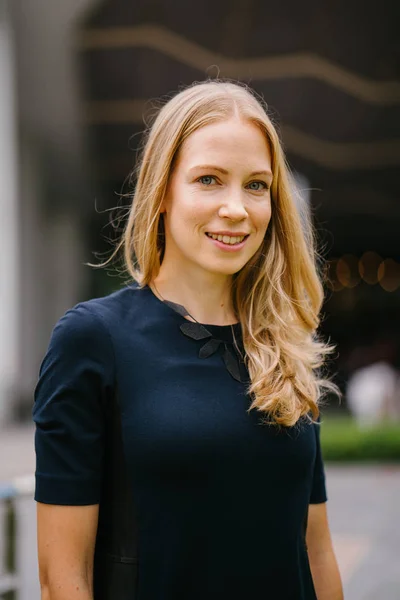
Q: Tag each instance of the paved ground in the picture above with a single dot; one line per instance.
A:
(364, 511)
(364, 514)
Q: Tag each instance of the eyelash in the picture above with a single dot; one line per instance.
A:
(266, 187)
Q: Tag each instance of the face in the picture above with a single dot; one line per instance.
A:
(218, 205)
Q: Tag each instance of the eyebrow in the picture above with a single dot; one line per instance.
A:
(225, 172)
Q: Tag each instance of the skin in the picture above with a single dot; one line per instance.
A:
(66, 540)
(323, 563)
(199, 199)
(198, 275)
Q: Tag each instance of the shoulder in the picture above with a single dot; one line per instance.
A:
(115, 305)
(78, 328)
(82, 343)
(94, 320)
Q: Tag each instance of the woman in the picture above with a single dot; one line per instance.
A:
(177, 455)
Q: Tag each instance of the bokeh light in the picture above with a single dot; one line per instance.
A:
(347, 271)
(332, 281)
(368, 267)
(389, 275)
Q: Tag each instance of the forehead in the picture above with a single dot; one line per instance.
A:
(232, 140)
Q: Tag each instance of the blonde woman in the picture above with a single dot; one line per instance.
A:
(178, 452)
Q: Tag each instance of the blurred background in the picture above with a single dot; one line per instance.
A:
(77, 80)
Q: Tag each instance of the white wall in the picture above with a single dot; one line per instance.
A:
(51, 149)
(9, 214)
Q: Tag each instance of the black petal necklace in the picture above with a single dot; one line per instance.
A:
(197, 331)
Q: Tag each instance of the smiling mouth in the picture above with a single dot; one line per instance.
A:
(228, 239)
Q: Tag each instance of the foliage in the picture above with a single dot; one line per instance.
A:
(342, 440)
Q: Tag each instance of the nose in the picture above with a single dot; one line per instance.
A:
(233, 206)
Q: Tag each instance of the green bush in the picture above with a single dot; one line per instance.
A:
(344, 440)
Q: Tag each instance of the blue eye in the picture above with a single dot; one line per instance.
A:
(209, 180)
(206, 178)
(258, 183)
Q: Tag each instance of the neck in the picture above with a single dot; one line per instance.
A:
(206, 296)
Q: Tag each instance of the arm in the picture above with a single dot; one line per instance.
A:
(66, 540)
(75, 378)
(324, 568)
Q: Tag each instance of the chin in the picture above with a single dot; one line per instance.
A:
(224, 269)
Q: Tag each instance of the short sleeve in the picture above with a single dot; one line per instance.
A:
(75, 378)
(318, 490)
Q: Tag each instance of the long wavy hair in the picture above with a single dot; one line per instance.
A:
(278, 294)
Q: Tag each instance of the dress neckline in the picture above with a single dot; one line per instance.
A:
(214, 329)
(224, 339)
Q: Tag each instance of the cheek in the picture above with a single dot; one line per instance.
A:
(262, 217)
(184, 224)
(189, 214)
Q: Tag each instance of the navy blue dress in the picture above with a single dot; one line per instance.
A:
(219, 497)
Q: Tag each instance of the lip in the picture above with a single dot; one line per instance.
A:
(229, 233)
(228, 247)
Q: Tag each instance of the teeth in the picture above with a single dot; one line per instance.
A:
(226, 239)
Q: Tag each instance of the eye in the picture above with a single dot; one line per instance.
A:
(258, 183)
(206, 180)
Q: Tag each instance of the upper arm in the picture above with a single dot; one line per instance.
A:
(318, 489)
(74, 380)
(317, 532)
(318, 537)
(66, 541)
(322, 559)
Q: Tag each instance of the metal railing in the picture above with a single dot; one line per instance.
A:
(18, 549)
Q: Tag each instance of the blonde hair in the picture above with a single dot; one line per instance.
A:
(277, 295)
